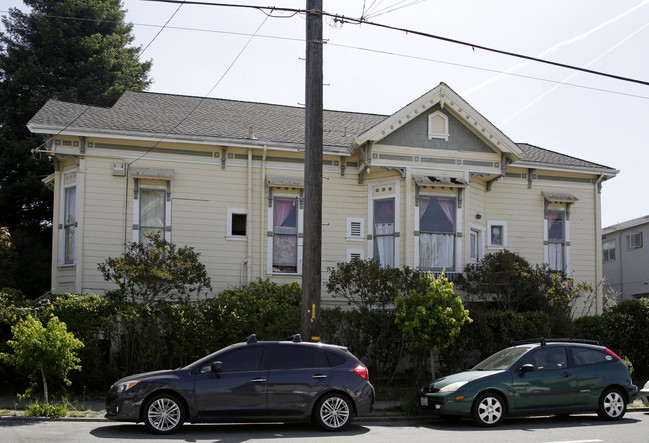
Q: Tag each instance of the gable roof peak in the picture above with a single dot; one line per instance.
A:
(453, 103)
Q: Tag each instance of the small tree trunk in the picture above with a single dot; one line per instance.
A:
(44, 386)
(432, 364)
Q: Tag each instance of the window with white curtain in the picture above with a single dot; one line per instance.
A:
(285, 235)
(152, 212)
(437, 233)
(384, 231)
(556, 240)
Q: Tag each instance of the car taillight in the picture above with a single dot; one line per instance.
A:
(612, 354)
(362, 371)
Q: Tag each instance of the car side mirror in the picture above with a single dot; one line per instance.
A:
(216, 367)
(527, 368)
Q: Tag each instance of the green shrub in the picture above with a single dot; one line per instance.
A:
(155, 270)
(623, 328)
(41, 409)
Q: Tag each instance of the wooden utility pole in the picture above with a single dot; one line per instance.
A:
(312, 250)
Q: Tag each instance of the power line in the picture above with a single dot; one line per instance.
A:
(360, 21)
(365, 49)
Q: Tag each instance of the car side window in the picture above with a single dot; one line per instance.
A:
(547, 358)
(291, 356)
(239, 360)
(335, 359)
(587, 356)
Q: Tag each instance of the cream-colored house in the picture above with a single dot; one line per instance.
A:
(433, 186)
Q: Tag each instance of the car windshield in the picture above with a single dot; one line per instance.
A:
(501, 359)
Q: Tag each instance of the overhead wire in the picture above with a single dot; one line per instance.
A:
(474, 46)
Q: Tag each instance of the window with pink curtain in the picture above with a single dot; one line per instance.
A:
(384, 232)
(285, 235)
(437, 233)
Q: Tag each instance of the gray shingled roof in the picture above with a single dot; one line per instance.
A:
(196, 118)
(535, 155)
(154, 114)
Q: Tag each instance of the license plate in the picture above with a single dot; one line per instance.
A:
(424, 401)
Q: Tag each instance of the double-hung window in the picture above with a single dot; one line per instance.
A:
(151, 209)
(285, 235)
(69, 222)
(384, 232)
(608, 250)
(437, 233)
(556, 240)
(152, 212)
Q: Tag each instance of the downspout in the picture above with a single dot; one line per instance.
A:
(262, 211)
(599, 304)
(248, 224)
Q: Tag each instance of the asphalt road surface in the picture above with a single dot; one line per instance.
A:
(577, 428)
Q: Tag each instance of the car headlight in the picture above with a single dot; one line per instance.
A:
(125, 386)
(453, 386)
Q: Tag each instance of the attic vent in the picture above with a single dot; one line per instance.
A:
(438, 126)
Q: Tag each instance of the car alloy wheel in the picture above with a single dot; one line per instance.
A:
(164, 414)
(488, 410)
(333, 412)
(612, 405)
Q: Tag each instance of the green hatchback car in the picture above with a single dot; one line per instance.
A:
(535, 377)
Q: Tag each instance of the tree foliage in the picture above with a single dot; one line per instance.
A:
(155, 270)
(431, 319)
(74, 50)
(365, 283)
(46, 351)
(7, 264)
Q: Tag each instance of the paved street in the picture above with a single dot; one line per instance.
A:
(580, 428)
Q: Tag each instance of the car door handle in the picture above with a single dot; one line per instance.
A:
(318, 376)
(258, 380)
(566, 374)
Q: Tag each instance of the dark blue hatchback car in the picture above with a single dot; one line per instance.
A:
(246, 382)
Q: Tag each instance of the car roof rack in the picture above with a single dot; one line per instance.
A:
(295, 338)
(252, 339)
(544, 341)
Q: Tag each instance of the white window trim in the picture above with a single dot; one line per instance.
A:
(458, 222)
(136, 211)
(64, 187)
(361, 234)
(612, 241)
(269, 239)
(481, 231)
(228, 234)
(349, 253)
(397, 217)
(505, 243)
(631, 243)
(441, 135)
(566, 239)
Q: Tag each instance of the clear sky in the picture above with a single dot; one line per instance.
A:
(211, 51)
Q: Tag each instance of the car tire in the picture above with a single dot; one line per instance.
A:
(164, 414)
(333, 412)
(612, 405)
(488, 409)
